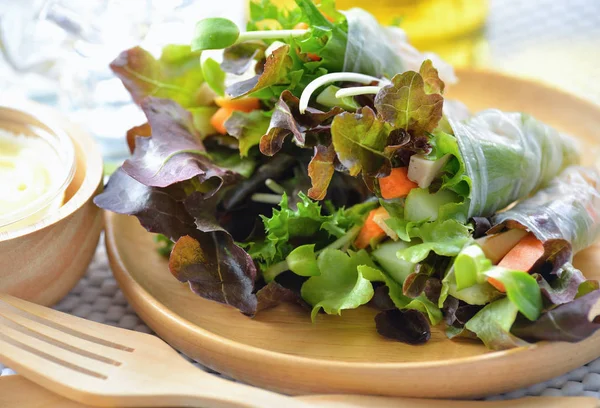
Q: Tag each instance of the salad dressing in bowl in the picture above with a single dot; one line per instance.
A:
(36, 166)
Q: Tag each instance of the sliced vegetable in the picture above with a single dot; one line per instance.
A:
(421, 205)
(397, 184)
(380, 219)
(370, 232)
(385, 255)
(524, 255)
(496, 246)
(219, 118)
(247, 104)
(423, 171)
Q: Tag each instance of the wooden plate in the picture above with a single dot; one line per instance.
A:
(282, 350)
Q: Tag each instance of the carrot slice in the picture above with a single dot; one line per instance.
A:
(521, 258)
(218, 119)
(301, 26)
(397, 184)
(370, 231)
(244, 104)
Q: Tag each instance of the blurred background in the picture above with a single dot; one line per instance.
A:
(57, 51)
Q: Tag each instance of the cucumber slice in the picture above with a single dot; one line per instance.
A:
(327, 98)
(385, 255)
(421, 205)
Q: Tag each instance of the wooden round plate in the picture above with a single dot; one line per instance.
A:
(282, 350)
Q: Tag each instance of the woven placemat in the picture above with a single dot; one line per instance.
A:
(97, 297)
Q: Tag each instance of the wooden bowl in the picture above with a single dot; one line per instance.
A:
(43, 261)
(281, 349)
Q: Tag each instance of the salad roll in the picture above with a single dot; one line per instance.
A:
(522, 272)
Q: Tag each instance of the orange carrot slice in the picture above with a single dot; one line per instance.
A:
(370, 231)
(218, 119)
(521, 258)
(301, 26)
(244, 104)
(397, 184)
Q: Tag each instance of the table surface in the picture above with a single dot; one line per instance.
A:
(549, 40)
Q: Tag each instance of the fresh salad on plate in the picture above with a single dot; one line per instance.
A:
(314, 159)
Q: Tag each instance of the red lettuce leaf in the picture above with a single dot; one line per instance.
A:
(216, 269)
(407, 326)
(564, 287)
(143, 130)
(359, 140)
(320, 171)
(287, 120)
(176, 75)
(411, 105)
(274, 294)
(572, 322)
(247, 128)
(275, 72)
(174, 152)
(157, 209)
(238, 58)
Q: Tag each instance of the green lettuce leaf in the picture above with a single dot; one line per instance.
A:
(302, 261)
(521, 289)
(214, 76)
(445, 238)
(492, 325)
(289, 228)
(339, 286)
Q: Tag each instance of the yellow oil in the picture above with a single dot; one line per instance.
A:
(454, 29)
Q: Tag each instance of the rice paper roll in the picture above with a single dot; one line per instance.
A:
(568, 210)
(508, 156)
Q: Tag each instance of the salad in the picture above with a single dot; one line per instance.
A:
(319, 163)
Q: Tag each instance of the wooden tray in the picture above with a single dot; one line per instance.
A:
(282, 350)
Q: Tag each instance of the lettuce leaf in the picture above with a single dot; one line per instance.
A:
(157, 209)
(445, 238)
(176, 75)
(289, 228)
(275, 72)
(492, 325)
(247, 128)
(320, 171)
(409, 105)
(359, 140)
(572, 322)
(216, 269)
(174, 152)
(340, 284)
(287, 120)
(407, 326)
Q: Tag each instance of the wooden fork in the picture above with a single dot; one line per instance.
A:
(100, 365)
